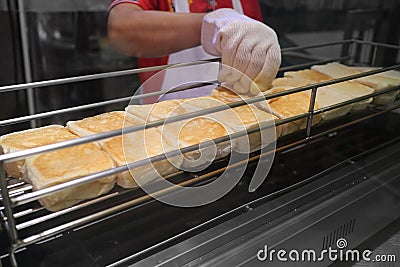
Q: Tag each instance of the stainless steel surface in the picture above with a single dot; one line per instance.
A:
(385, 242)
(18, 196)
(26, 59)
(301, 219)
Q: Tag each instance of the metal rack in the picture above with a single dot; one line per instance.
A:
(17, 194)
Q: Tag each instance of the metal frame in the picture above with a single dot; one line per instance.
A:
(26, 58)
(13, 196)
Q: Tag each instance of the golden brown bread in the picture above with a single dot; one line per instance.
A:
(137, 146)
(310, 75)
(349, 89)
(376, 82)
(194, 131)
(291, 82)
(154, 112)
(98, 124)
(30, 139)
(289, 106)
(226, 95)
(67, 164)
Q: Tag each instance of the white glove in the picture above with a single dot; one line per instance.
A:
(248, 46)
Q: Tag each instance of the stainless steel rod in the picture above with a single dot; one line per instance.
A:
(56, 214)
(283, 69)
(104, 103)
(19, 183)
(26, 59)
(9, 88)
(35, 195)
(311, 108)
(374, 53)
(12, 230)
(27, 211)
(304, 56)
(62, 111)
(303, 47)
(376, 44)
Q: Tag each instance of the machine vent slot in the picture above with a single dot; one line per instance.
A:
(340, 232)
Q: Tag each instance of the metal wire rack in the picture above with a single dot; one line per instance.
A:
(17, 212)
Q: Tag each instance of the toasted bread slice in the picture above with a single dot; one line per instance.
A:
(30, 139)
(376, 82)
(138, 146)
(67, 164)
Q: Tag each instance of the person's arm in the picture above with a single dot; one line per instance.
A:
(144, 33)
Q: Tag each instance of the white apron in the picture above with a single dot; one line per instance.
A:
(198, 73)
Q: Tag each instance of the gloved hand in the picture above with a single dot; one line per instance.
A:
(248, 46)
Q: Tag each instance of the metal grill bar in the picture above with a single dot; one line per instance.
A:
(390, 46)
(304, 65)
(104, 103)
(9, 88)
(10, 222)
(311, 111)
(64, 211)
(296, 48)
(62, 111)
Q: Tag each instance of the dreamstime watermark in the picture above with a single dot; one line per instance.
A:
(309, 255)
(201, 158)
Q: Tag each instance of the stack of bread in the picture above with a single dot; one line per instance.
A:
(67, 164)
(377, 82)
(334, 94)
(127, 149)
